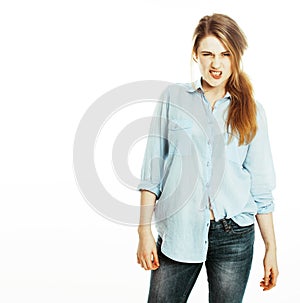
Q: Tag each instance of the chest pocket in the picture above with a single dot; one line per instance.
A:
(234, 152)
(180, 136)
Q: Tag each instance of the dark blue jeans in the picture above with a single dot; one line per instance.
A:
(228, 265)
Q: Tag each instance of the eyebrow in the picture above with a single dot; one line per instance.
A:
(209, 52)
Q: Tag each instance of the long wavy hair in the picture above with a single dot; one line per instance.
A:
(241, 116)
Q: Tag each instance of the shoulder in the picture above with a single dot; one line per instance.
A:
(187, 87)
(261, 117)
(260, 110)
(259, 106)
(178, 89)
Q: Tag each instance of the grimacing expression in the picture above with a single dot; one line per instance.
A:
(214, 61)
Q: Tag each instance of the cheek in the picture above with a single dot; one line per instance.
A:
(203, 65)
(228, 67)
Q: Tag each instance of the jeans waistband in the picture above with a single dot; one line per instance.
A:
(224, 224)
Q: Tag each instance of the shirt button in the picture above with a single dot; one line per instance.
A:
(208, 163)
(208, 142)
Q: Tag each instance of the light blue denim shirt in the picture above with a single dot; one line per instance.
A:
(190, 167)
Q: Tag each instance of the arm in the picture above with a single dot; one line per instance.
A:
(259, 164)
(147, 253)
(265, 223)
(150, 185)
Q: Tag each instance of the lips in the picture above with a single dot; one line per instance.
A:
(216, 74)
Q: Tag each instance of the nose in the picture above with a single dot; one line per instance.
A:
(216, 62)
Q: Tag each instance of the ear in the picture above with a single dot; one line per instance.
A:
(195, 57)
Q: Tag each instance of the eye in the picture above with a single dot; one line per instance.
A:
(227, 54)
(206, 54)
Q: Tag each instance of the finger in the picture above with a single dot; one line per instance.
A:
(149, 263)
(270, 283)
(273, 279)
(274, 276)
(144, 264)
(267, 276)
(270, 286)
(155, 258)
(264, 287)
(141, 262)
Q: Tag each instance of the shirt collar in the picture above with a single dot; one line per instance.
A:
(197, 85)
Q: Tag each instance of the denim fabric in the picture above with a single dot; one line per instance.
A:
(228, 264)
(191, 167)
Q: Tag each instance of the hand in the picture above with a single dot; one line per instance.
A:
(271, 270)
(147, 253)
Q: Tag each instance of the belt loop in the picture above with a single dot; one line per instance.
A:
(226, 226)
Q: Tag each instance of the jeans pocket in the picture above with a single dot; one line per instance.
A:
(242, 230)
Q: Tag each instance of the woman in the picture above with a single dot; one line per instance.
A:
(207, 174)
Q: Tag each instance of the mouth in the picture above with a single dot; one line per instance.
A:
(216, 74)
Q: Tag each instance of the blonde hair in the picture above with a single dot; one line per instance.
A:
(241, 117)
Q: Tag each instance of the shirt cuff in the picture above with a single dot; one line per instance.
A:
(154, 188)
(265, 208)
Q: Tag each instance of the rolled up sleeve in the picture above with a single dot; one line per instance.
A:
(259, 164)
(156, 149)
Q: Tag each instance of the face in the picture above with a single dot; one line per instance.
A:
(214, 62)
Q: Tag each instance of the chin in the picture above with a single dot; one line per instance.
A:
(213, 82)
(216, 82)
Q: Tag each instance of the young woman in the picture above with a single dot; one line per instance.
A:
(207, 174)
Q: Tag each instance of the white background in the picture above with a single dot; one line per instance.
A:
(57, 58)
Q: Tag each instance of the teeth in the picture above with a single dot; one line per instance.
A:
(216, 73)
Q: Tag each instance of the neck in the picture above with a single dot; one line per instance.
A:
(213, 93)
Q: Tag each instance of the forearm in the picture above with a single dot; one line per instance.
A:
(265, 223)
(266, 226)
(148, 200)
